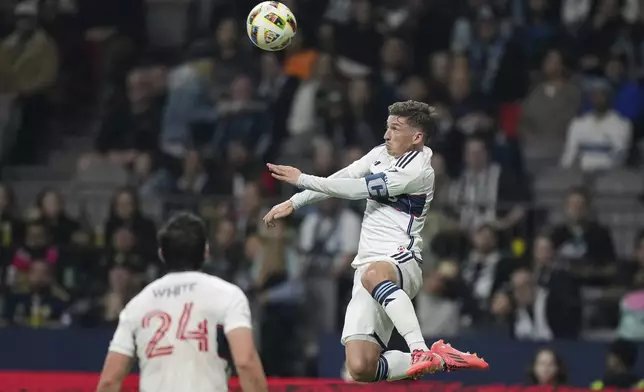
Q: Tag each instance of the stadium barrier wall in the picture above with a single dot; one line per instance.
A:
(83, 350)
(86, 382)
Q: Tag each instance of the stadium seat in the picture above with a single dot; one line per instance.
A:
(105, 173)
(620, 182)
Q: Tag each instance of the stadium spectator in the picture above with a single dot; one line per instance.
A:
(132, 121)
(40, 304)
(194, 179)
(328, 243)
(51, 205)
(600, 139)
(547, 368)
(599, 34)
(281, 294)
(631, 326)
(242, 118)
(497, 64)
(125, 211)
(534, 313)
(148, 177)
(122, 252)
(277, 89)
(467, 107)
(631, 272)
(552, 274)
(121, 287)
(189, 100)
(79, 270)
(584, 241)
(38, 246)
(539, 31)
(445, 301)
(358, 41)
(628, 97)
(30, 57)
(620, 367)
(548, 110)
(226, 254)
(368, 105)
(301, 122)
(394, 63)
(439, 218)
(485, 192)
(486, 269)
(11, 228)
(630, 277)
(231, 57)
(250, 210)
(238, 168)
(29, 53)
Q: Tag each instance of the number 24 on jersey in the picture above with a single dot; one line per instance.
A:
(200, 334)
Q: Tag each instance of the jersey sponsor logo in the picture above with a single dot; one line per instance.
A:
(377, 185)
(409, 204)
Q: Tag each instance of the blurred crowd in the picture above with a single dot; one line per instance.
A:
(519, 86)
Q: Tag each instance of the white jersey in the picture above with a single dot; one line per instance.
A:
(398, 192)
(171, 326)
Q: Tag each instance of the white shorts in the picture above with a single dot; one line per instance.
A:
(365, 318)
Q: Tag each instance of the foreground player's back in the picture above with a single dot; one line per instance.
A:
(173, 323)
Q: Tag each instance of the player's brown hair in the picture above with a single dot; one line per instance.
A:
(418, 114)
(182, 241)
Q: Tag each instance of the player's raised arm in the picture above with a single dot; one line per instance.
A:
(357, 169)
(403, 177)
(120, 357)
(239, 333)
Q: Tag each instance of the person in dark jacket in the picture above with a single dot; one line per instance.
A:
(533, 312)
(125, 211)
(620, 367)
(52, 209)
(583, 241)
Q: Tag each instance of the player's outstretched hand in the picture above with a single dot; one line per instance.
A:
(287, 174)
(279, 211)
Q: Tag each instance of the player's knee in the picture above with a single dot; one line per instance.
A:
(361, 368)
(377, 273)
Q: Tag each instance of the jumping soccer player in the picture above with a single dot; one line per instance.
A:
(397, 180)
(171, 325)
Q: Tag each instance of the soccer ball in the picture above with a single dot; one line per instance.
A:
(271, 26)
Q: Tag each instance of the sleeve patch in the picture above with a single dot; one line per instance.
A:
(377, 185)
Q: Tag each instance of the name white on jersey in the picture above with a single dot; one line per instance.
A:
(171, 326)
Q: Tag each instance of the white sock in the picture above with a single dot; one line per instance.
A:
(401, 311)
(397, 363)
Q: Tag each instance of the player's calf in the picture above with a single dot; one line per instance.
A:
(363, 359)
(367, 363)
